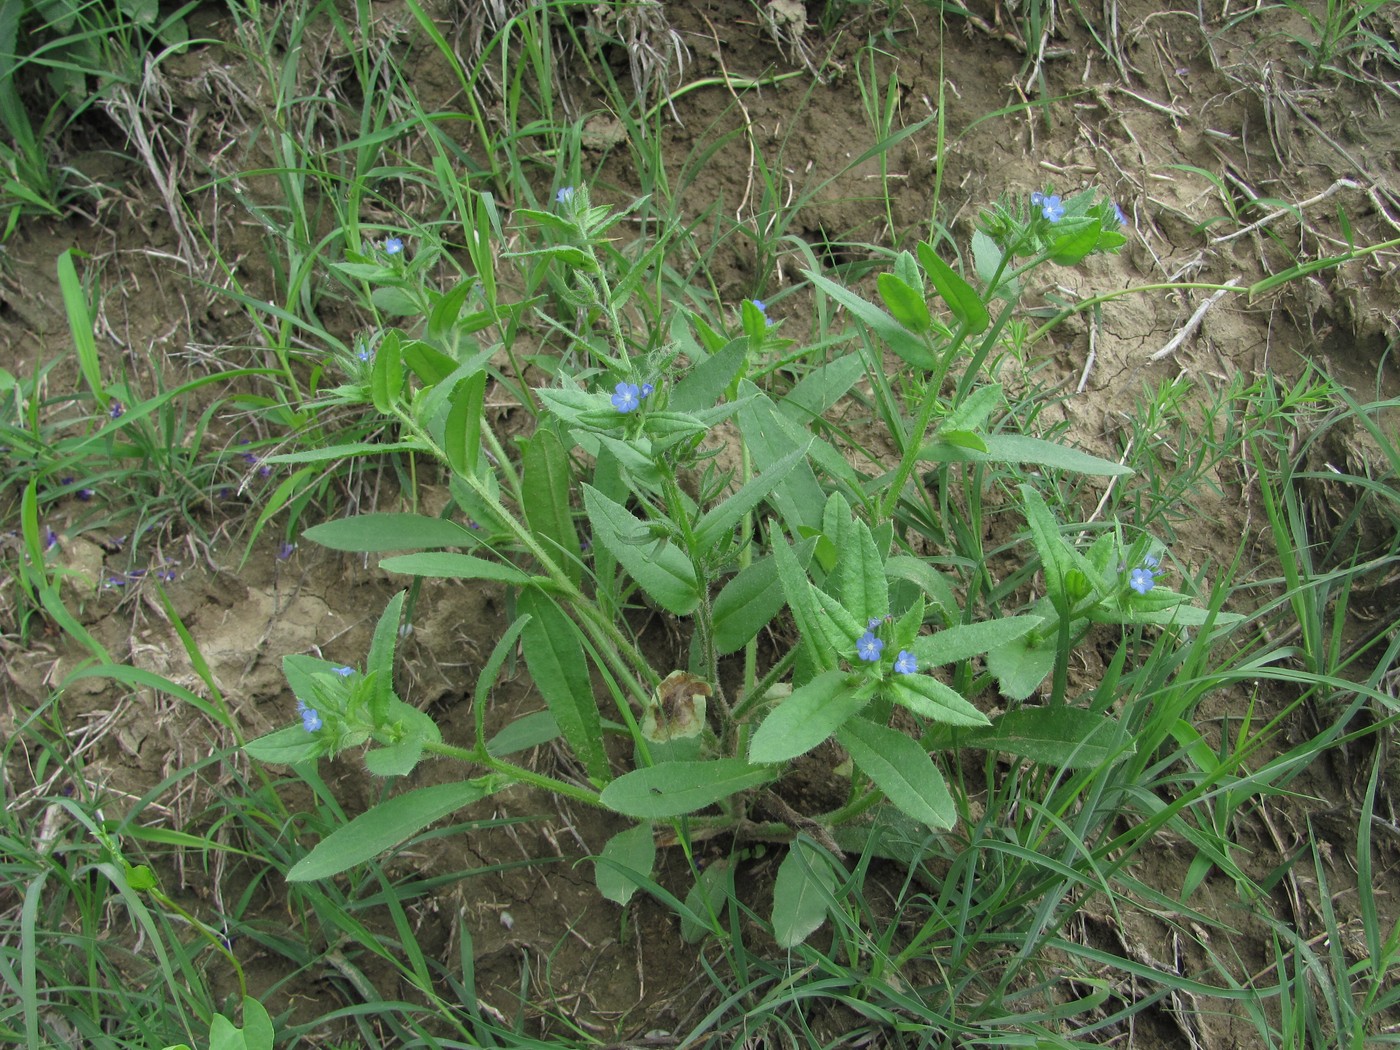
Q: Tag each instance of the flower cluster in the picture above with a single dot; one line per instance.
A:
(628, 397)
(762, 308)
(869, 648)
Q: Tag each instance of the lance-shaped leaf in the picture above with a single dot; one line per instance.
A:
(545, 481)
(931, 698)
(1061, 736)
(554, 653)
(389, 532)
(1017, 448)
(388, 824)
(962, 299)
(674, 789)
(810, 715)
(461, 435)
(894, 335)
(901, 769)
(660, 568)
(448, 565)
(802, 892)
(967, 640)
(710, 529)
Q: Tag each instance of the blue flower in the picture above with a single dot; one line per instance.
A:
(1050, 206)
(393, 246)
(310, 718)
(868, 647)
(1141, 580)
(874, 623)
(117, 410)
(1151, 561)
(627, 398)
(1118, 214)
(565, 195)
(344, 672)
(285, 551)
(905, 663)
(762, 308)
(647, 390)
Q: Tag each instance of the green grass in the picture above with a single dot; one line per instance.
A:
(920, 939)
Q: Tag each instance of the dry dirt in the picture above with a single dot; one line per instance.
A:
(1180, 98)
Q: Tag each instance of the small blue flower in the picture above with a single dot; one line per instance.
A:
(1050, 207)
(393, 246)
(905, 663)
(117, 410)
(344, 672)
(285, 551)
(1118, 214)
(627, 397)
(762, 308)
(310, 718)
(647, 390)
(1037, 199)
(874, 623)
(868, 647)
(565, 195)
(1151, 561)
(50, 539)
(1141, 580)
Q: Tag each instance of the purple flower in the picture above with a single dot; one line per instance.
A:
(248, 457)
(167, 574)
(905, 663)
(264, 471)
(393, 246)
(565, 195)
(1141, 580)
(50, 539)
(868, 647)
(116, 411)
(627, 397)
(1050, 206)
(1118, 214)
(285, 551)
(85, 494)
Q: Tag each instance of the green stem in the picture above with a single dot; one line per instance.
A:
(482, 757)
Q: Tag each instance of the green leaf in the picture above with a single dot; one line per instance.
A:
(967, 640)
(705, 383)
(1071, 247)
(962, 299)
(932, 699)
(707, 897)
(388, 824)
(545, 481)
(451, 566)
(427, 362)
(810, 715)
(928, 579)
(526, 732)
(554, 653)
(461, 436)
(395, 760)
(284, 746)
(894, 335)
(1019, 667)
(386, 375)
(346, 451)
(901, 769)
(660, 569)
(634, 849)
(975, 410)
(674, 789)
(860, 571)
(381, 658)
(80, 324)
(800, 598)
(904, 302)
(257, 1025)
(799, 498)
(750, 600)
(1061, 736)
(1017, 448)
(389, 532)
(802, 892)
(719, 522)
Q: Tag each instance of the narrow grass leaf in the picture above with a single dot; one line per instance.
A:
(348, 450)
(674, 789)
(554, 653)
(811, 714)
(388, 824)
(901, 769)
(802, 893)
(80, 324)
